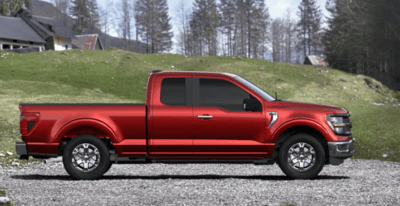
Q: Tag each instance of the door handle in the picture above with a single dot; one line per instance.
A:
(204, 116)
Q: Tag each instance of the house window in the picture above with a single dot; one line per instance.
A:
(6, 46)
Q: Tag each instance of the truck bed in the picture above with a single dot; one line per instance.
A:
(128, 121)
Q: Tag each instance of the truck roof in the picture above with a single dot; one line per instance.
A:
(224, 73)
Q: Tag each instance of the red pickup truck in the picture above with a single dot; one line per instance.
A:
(189, 117)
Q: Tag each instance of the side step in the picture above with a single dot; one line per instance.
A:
(143, 160)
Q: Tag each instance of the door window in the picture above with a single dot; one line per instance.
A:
(173, 91)
(221, 93)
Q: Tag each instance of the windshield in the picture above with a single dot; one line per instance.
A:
(256, 89)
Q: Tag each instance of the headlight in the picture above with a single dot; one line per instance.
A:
(336, 124)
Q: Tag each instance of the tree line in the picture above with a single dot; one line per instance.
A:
(364, 37)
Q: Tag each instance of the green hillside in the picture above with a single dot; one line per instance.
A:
(117, 76)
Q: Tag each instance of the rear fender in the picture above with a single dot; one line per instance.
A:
(88, 123)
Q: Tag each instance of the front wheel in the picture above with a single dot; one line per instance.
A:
(301, 157)
(86, 158)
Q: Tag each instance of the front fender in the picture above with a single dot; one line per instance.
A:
(85, 122)
(300, 122)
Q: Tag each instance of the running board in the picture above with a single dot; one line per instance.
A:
(143, 160)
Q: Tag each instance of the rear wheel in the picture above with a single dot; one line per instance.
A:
(301, 157)
(86, 158)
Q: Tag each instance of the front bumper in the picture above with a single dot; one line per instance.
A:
(339, 151)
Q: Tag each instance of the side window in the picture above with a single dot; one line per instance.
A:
(173, 91)
(221, 93)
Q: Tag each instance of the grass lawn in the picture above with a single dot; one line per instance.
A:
(117, 76)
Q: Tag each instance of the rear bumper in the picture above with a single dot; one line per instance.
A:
(339, 151)
(22, 150)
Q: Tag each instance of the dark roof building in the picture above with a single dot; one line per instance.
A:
(15, 33)
(26, 30)
(17, 29)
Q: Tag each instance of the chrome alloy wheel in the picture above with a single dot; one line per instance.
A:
(85, 157)
(301, 156)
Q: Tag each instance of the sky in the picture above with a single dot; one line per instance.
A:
(276, 8)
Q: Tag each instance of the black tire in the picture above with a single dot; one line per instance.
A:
(108, 168)
(291, 165)
(97, 161)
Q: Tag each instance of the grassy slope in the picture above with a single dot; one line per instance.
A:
(69, 77)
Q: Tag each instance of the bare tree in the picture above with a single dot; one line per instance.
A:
(124, 24)
(107, 20)
(277, 39)
(62, 6)
(289, 30)
(182, 18)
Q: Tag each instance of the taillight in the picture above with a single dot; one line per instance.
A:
(27, 120)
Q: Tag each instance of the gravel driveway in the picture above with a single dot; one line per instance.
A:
(356, 182)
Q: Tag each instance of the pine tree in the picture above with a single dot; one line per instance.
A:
(153, 24)
(80, 14)
(309, 24)
(94, 16)
(10, 7)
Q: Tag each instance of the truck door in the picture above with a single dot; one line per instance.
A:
(222, 128)
(170, 120)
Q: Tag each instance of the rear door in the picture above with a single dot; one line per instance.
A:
(170, 120)
(222, 129)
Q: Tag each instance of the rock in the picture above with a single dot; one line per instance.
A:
(9, 153)
(355, 82)
(51, 160)
(97, 89)
(379, 104)
(14, 164)
(384, 155)
(304, 75)
(354, 98)
(2, 155)
(4, 200)
(172, 66)
(355, 90)
(396, 104)
(344, 87)
(343, 80)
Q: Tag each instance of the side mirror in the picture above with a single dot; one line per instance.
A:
(252, 105)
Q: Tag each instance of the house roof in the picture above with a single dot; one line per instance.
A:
(87, 41)
(41, 24)
(46, 20)
(317, 60)
(58, 29)
(16, 28)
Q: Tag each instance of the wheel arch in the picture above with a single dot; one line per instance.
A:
(286, 134)
(84, 127)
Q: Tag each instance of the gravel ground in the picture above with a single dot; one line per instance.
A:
(356, 182)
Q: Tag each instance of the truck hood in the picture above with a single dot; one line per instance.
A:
(310, 106)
